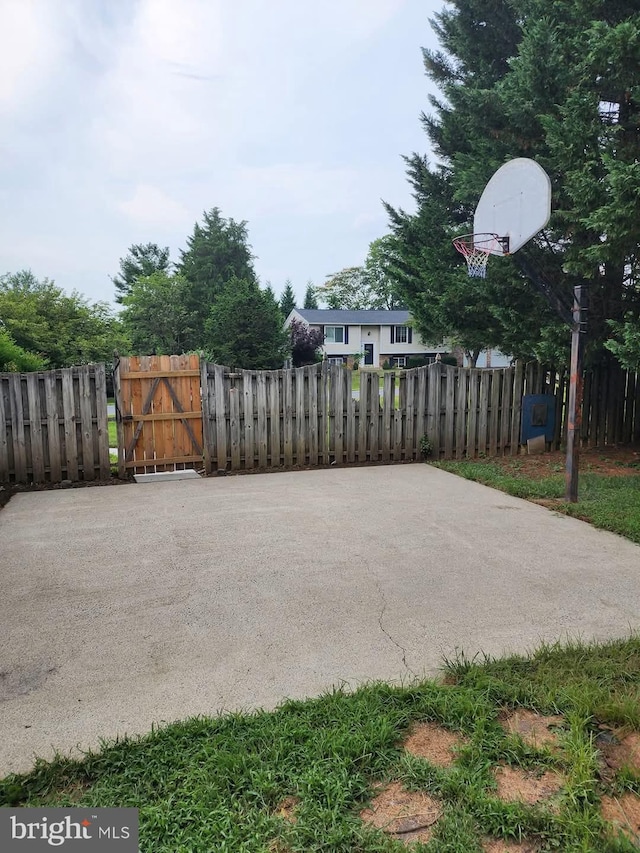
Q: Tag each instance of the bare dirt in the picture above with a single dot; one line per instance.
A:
(286, 809)
(407, 816)
(608, 462)
(434, 743)
(496, 845)
(536, 730)
(624, 813)
(617, 751)
(525, 786)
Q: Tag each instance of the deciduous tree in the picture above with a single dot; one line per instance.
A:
(306, 343)
(63, 329)
(155, 315)
(14, 358)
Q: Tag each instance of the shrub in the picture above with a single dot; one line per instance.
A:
(426, 448)
(305, 343)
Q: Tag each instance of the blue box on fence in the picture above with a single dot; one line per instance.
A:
(538, 417)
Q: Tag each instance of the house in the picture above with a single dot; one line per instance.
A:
(379, 336)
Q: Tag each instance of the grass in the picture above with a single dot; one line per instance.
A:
(113, 432)
(609, 502)
(215, 784)
(113, 437)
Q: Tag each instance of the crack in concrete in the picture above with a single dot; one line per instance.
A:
(384, 630)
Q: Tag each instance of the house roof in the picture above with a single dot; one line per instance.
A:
(328, 316)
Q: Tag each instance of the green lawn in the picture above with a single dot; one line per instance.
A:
(113, 432)
(609, 502)
(221, 784)
(355, 380)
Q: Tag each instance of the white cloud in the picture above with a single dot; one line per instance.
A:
(295, 188)
(151, 206)
(30, 46)
(157, 100)
(125, 119)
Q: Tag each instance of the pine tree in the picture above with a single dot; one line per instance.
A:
(556, 82)
(287, 300)
(310, 298)
(217, 253)
(244, 328)
(141, 260)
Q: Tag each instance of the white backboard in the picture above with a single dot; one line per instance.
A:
(516, 203)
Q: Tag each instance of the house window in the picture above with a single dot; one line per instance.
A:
(337, 359)
(400, 335)
(399, 361)
(334, 334)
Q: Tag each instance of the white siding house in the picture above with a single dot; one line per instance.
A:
(378, 336)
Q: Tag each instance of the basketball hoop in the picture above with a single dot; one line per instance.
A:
(476, 249)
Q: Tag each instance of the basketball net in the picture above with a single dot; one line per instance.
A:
(476, 249)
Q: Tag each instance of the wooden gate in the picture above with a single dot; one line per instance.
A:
(158, 413)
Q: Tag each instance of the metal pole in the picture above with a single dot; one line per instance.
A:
(574, 420)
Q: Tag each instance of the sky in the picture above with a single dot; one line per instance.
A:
(122, 121)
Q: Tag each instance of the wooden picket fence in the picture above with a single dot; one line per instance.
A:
(53, 426)
(308, 416)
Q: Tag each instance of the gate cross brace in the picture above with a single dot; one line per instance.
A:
(185, 421)
(145, 411)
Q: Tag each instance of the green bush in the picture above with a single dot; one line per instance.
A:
(386, 364)
(426, 448)
(417, 361)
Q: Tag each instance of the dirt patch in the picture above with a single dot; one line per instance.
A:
(407, 816)
(525, 786)
(436, 744)
(609, 462)
(496, 845)
(624, 813)
(277, 846)
(535, 730)
(286, 809)
(618, 752)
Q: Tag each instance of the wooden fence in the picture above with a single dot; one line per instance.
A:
(309, 416)
(53, 426)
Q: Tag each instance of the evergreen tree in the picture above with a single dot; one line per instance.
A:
(310, 298)
(244, 328)
(141, 260)
(217, 253)
(556, 82)
(287, 300)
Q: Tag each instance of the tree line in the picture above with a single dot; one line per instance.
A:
(210, 301)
